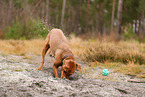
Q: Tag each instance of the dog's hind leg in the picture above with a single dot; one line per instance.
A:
(45, 49)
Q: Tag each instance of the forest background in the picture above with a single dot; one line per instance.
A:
(26, 19)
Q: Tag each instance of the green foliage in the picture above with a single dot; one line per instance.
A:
(15, 31)
(18, 3)
(128, 33)
(41, 29)
(130, 11)
(30, 28)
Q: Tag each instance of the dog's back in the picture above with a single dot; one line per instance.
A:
(57, 40)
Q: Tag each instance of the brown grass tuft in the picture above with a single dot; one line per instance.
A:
(21, 47)
(132, 69)
(94, 50)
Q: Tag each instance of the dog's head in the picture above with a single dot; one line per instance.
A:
(68, 68)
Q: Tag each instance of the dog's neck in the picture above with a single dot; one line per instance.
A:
(66, 57)
(69, 55)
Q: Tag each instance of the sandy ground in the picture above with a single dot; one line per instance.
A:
(19, 78)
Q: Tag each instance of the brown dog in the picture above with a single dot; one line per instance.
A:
(58, 44)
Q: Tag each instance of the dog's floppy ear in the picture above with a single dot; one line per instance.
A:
(78, 67)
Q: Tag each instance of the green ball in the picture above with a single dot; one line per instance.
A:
(105, 72)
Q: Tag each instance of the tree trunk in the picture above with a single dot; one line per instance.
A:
(100, 23)
(43, 10)
(77, 16)
(63, 12)
(143, 12)
(113, 10)
(10, 12)
(47, 12)
(88, 14)
(142, 23)
(36, 6)
(119, 16)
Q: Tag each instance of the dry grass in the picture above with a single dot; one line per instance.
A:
(131, 54)
(132, 69)
(94, 50)
(125, 57)
(21, 47)
(127, 69)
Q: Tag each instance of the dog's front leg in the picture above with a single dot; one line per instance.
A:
(62, 75)
(55, 71)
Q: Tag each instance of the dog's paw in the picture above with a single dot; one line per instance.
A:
(39, 68)
(57, 78)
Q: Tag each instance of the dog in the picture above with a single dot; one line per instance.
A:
(58, 44)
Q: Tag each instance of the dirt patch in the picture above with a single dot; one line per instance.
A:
(19, 77)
